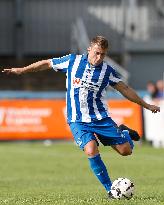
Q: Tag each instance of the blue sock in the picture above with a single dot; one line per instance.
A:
(100, 171)
(127, 136)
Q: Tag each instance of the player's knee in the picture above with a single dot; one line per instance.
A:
(91, 149)
(125, 151)
(90, 152)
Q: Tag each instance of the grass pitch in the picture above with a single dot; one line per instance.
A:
(32, 173)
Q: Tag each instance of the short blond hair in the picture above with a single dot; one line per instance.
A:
(100, 41)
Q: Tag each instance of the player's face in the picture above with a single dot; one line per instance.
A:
(96, 54)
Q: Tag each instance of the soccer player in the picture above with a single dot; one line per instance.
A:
(88, 76)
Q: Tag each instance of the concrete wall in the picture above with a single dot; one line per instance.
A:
(145, 62)
(145, 67)
(39, 27)
(43, 27)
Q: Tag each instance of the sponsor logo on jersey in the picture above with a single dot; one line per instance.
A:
(76, 82)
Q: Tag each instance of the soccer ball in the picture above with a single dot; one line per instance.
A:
(122, 188)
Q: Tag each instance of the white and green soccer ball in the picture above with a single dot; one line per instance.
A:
(122, 188)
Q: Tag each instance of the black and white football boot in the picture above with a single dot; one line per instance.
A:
(133, 134)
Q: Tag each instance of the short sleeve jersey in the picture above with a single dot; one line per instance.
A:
(86, 87)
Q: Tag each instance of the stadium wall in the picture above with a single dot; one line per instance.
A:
(42, 115)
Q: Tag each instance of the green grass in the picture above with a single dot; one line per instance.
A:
(32, 173)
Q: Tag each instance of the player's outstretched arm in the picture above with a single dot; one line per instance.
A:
(35, 67)
(131, 95)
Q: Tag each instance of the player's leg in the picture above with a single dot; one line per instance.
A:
(97, 165)
(124, 148)
(110, 134)
(91, 149)
(123, 143)
(87, 141)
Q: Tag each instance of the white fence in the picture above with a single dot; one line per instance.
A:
(154, 124)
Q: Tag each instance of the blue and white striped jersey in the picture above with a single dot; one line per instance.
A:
(86, 87)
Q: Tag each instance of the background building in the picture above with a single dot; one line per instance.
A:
(34, 29)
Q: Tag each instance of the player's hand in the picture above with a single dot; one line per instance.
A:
(16, 71)
(153, 108)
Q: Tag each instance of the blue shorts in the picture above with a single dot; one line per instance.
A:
(105, 130)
